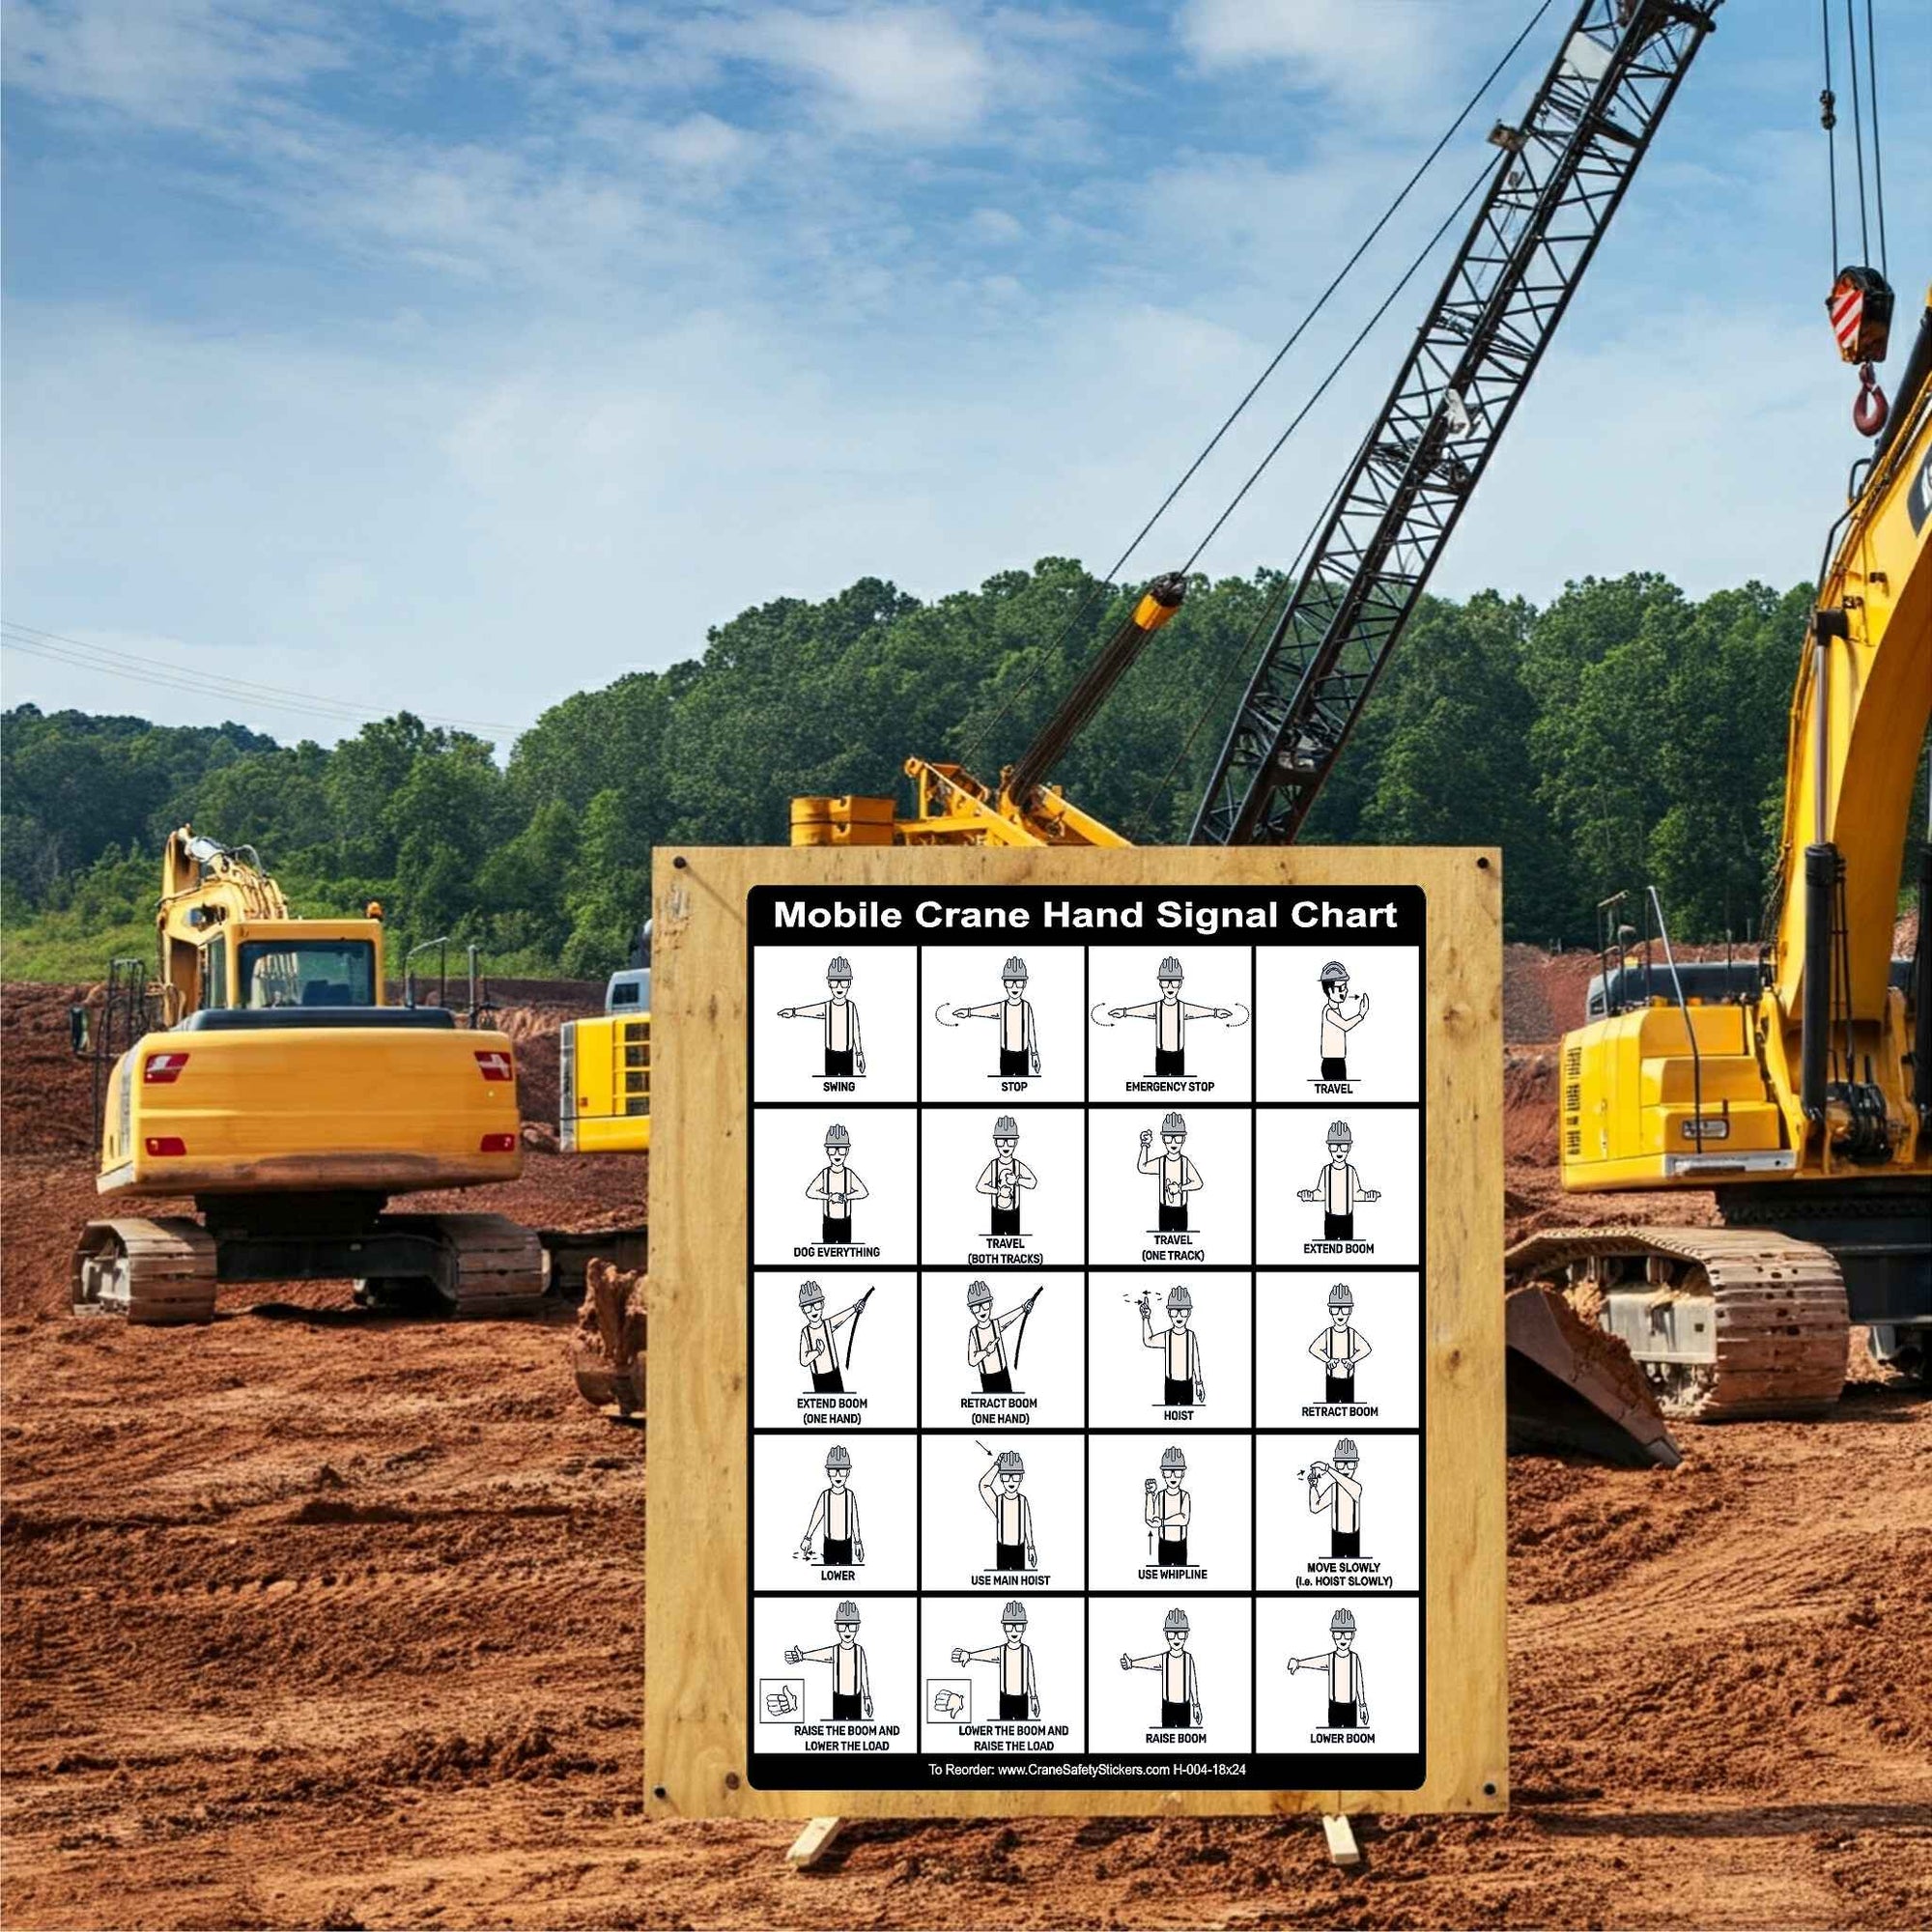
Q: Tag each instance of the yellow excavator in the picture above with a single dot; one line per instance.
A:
(1795, 1087)
(263, 1073)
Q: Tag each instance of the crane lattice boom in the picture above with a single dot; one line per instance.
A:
(1560, 178)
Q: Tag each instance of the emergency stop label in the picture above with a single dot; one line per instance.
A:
(1085, 1293)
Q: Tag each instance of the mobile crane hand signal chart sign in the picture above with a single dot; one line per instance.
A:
(1075, 1376)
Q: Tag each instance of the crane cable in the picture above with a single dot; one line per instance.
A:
(1871, 210)
(1080, 608)
(1240, 657)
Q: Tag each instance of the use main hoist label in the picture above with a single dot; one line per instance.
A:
(1086, 1286)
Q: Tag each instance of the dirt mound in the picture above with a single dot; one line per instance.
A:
(1544, 993)
(46, 1103)
(1529, 1107)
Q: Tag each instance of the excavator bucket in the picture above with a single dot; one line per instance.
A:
(606, 1349)
(1571, 1386)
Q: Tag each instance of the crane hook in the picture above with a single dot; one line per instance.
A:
(1870, 411)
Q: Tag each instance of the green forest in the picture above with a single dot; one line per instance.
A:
(1620, 736)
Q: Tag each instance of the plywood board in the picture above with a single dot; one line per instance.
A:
(701, 1675)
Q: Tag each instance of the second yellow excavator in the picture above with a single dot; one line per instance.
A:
(1797, 1087)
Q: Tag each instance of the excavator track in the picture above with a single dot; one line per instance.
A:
(1726, 1322)
(158, 1273)
(485, 1265)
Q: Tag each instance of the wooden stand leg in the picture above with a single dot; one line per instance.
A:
(1341, 1835)
(813, 1843)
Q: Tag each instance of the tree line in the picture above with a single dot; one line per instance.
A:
(1624, 734)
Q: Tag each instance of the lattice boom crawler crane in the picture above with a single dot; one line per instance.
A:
(263, 1073)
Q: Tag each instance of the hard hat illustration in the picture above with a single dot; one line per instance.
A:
(1334, 973)
(847, 1612)
(1013, 969)
(1339, 1296)
(1013, 1613)
(1169, 969)
(836, 1457)
(841, 968)
(1341, 1620)
(1179, 1298)
(1006, 1128)
(978, 1296)
(1010, 1462)
(1341, 1134)
(1173, 1123)
(1175, 1620)
(812, 1296)
(1346, 1450)
(1173, 1458)
(837, 1136)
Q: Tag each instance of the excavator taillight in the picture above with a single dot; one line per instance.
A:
(162, 1069)
(495, 1064)
(162, 1146)
(499, 1143)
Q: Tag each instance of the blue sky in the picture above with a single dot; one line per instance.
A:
(462, 354)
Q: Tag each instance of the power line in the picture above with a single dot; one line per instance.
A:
(105, 659)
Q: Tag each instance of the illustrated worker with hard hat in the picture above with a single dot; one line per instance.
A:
(835, 1187)
(1011, 1512)
(1180, 1684)
(1003, 1176)
(1182, 1385)
(1332, 1487)
(1019, 1040)
(851, 1681)
(1348, 1691)
(986, 1338)
(1170, 1014)
(1019, 1688)
(1340, 1346)
(1168, 1510)
(818, 1339)
(1178, 1176)
(844, 1050)
(1336, 1021)
(1338, 1186)
(834, 1517)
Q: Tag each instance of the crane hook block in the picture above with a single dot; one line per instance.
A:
(1162, 598)
(1860, 306)
(1871, 410)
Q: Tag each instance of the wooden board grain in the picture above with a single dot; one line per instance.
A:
(696, 1528)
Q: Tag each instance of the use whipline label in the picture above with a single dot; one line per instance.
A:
(1085, 1324)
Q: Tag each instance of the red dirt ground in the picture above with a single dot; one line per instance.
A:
(317, 1617)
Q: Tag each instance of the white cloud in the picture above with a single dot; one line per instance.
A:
(699, 141)
(993, 225)
(1362, 51)
(174, 65)
(911, 72)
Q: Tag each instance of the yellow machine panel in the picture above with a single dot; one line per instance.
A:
(1638, 1111)
(604, 1085)
(388, 1110)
